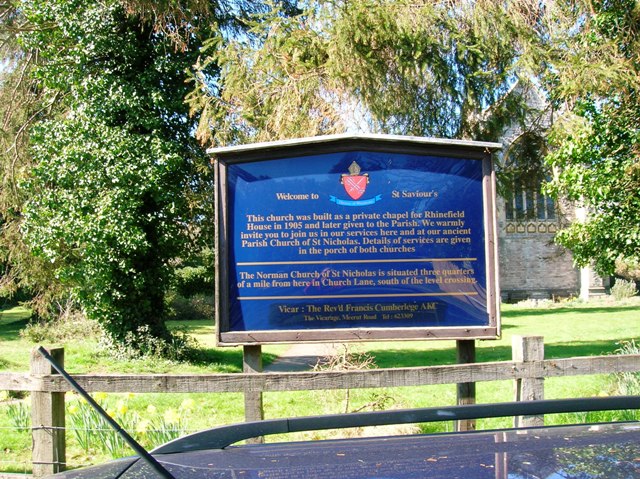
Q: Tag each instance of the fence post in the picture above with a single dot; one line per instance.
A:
(47, 420)
(253, 408)
(466, 392)
(528, 349)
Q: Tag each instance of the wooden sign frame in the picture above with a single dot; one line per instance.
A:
(243, 169)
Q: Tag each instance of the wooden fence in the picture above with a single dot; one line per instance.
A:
(528, 369)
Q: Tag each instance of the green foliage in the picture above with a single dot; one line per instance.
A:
(468, 71)
(192, 280)
(161, 427)
(109, 197)
(598, 167)
(59, 331)
(151, 427)
(393, 67)
(23, 277)
(20, 416)
(628, 384)
(109, 191)
(623, 289)
(197, 275)
(620, 384)
(596, 142)
(144, 344)
(628, 269)
(196, 307)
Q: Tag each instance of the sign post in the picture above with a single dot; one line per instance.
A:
(356, 238)
(466, 392)
(253, 410)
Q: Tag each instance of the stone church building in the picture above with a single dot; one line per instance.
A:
(531, 264)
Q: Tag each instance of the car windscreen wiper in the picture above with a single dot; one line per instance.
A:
(135, 445)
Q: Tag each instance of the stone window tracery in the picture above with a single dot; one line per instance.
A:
(527, 208)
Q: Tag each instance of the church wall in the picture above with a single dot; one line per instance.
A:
(531, 265)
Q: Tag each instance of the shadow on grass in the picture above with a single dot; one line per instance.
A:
(401, 358)
(556, 350)
(4, 364)
(230, 358)
(519, 313)
(11, 323)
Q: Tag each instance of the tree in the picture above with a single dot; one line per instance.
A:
(108, 198)
(421, 68)
(456, 69)
(594, 80)
(22, 276)
(104, 188)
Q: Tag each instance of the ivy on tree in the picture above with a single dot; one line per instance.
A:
(108, 198)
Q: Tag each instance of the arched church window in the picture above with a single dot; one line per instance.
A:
(523, 174)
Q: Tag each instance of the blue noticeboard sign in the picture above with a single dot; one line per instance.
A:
(356, 238)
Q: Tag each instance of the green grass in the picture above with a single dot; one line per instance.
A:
(569, 330)
(580, 330)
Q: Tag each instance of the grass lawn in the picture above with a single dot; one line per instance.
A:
(570, 329)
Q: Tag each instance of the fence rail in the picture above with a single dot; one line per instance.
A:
(528, 371)
(323, 380)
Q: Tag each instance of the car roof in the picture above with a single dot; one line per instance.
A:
(221, 437)
(584, 451)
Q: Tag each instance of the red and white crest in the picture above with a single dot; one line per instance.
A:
(354, 183)
(355, 186)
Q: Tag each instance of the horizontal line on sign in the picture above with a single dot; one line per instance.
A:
(359, 261)
(338, 296)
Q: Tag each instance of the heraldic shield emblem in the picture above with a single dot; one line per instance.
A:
(354, 183)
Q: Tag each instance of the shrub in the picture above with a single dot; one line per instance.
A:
(193, 280)
(141, 344)
(628, 269)
(70, 326)
(346, 359)
(623, 289)
(199, 306)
